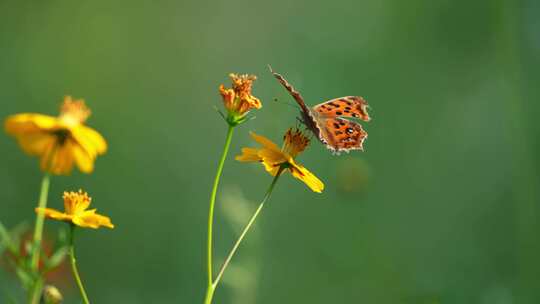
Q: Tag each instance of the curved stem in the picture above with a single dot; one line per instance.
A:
(74, 265)
(209, 291)
(242, 235)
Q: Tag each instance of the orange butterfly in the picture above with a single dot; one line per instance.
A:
(326, 122)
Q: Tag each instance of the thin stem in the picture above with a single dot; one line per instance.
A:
(74, 265)
(38, 229)
(212, 204)
(242, 235)
(35, 291)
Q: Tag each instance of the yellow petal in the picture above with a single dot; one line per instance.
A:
(36, 143)
(54, 214)
(272, 160)
(307, 177)
(273, 156)
(61, 159)
(47, 155)
(267, 143)
(89, 219)
(89, 139)
(30, 122)
(84, 161)
(249, 155)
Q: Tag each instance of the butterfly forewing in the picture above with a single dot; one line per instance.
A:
(348, 106)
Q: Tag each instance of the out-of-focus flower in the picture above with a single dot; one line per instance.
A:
(277, 160)
(75, 205)
(352, 175)
(238, 100)
(60, 141)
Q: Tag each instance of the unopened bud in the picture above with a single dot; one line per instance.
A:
(52, 295)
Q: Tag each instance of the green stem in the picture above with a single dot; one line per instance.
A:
(74, 265)
(35, 291)
(212, 204)
(211, 290)
(38, 229)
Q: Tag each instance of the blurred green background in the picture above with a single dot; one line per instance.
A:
(443, 207)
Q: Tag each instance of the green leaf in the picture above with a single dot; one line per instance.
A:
(6, 241)
(4, 234)
(25, 278)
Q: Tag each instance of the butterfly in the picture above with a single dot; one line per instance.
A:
(326, 120)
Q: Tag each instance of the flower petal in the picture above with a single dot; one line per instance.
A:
(36, 143)
(274, 157)
(54, 214)
(89, 139)
(89, 219)
(307, 177)
(267, 143)
(25, 123)
(61, 159)
(84, 161)
(228, 96)
(249, 155)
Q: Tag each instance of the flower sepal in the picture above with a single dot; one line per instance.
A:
(235, 119)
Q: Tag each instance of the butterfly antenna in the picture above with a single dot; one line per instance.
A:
(287, 103)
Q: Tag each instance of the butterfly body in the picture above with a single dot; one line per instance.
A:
(327, 122)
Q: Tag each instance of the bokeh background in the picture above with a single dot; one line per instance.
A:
(443, 207)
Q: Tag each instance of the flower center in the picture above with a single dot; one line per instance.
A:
(74, 112)
(76, 202)
(294, 142)
(62, 135)
(242, 83)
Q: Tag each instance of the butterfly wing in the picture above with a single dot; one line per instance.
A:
(295, 94)
(348, 106)
(341, 134)
(308, 117)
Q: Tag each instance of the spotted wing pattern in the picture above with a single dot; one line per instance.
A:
(342, 135)
(348, 106)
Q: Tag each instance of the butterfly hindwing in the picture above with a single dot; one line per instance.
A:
(342, 134)
(348, 106)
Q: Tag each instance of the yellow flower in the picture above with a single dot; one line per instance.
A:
(75, 205)
(273, 158)
(59, 141)
(238, 100)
